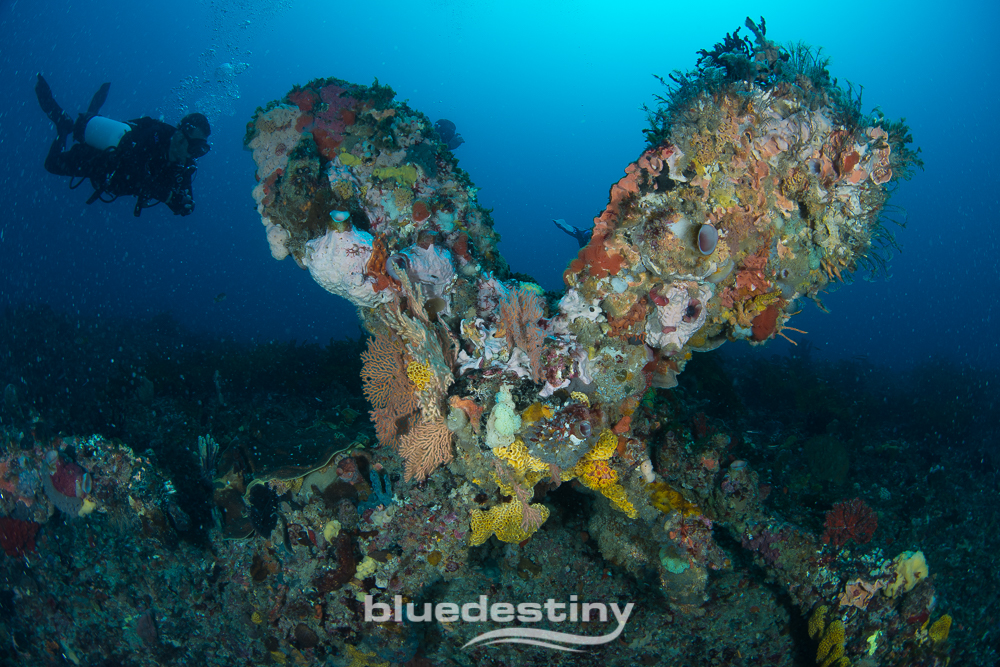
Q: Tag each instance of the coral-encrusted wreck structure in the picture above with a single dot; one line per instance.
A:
(763, 182)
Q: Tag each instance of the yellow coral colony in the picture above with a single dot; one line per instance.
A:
(420, 375)
(666, 500)
(830, 652)
(534, 412)
(817, 621)
(594, 472)
(505, 521)
(517, 457)
(938, 631)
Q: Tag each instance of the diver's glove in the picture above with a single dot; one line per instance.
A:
(181, 202)
(187, 205)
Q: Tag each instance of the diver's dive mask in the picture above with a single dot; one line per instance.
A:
(197, 145)
(196, 129)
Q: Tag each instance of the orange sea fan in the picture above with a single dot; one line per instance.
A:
(520, 311)
(386, 386)
(425, 447)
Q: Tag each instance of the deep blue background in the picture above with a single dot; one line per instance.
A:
(548, 97)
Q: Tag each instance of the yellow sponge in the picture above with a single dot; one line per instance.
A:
(605, 447)
(420, 374)
(911, 569)
(938, 631)
(666, 499)
(517, 457)
(534, 412)
(817, 622)
(831, 646)
(599, 476)
(504, 520)
(404, 175)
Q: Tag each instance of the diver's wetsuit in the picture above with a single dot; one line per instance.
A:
(138, 167)
(152, 161)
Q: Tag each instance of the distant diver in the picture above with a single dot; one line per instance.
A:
(143, 158)
(581, 235)
(446, 129)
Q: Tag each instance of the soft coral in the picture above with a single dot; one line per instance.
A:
(17, 537)
(850, 520)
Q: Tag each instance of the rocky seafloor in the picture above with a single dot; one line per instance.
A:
(187, 558)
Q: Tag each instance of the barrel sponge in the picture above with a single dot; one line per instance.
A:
(911, 569)
(338, 262)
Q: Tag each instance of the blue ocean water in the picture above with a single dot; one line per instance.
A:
(548, 97)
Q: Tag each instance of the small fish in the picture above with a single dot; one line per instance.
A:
(221, 296)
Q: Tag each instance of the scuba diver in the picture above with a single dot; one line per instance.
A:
(144, 158)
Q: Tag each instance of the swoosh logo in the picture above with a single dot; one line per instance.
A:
(542, 638)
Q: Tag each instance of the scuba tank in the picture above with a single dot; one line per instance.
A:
(103, 133)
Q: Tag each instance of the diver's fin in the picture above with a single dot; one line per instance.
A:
(97, 101)
(582, 236)
(63, 123)
(45, 100)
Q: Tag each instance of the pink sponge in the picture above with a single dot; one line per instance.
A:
(69, 504)
(68, 478)
(67, 486)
